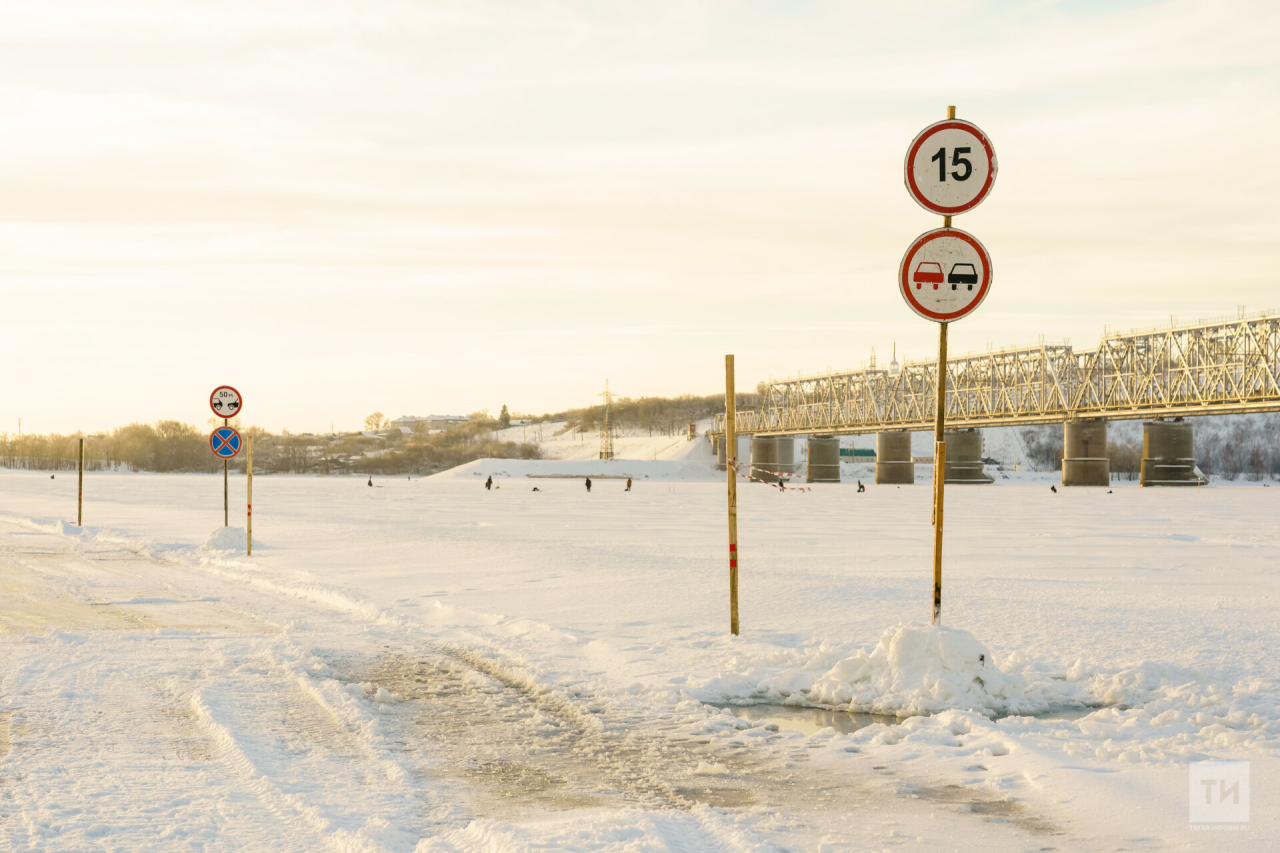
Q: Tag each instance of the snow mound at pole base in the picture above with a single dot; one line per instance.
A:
(926, 669)
(226, 539)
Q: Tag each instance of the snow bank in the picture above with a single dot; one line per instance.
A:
(925, 669)
(42, 525)
(637, 469)
(227, 539)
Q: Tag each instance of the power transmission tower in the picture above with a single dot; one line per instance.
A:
(606, 435)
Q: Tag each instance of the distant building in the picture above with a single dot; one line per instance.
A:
(406, 423)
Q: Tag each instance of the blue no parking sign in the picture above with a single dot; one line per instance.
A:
(224, 442)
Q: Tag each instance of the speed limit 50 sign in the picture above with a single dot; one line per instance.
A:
(950, 167)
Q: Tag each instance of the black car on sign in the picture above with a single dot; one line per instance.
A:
(962, 274)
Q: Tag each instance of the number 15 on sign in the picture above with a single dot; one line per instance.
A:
(950, 167)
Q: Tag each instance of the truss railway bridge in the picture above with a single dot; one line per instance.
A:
(1159, 375)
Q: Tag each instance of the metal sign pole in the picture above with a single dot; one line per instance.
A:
(226, 504)
(940, 453)
(731, 454)
(946, 256)
(939, 470)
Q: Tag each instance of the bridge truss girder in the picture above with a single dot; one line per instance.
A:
(1210, 368)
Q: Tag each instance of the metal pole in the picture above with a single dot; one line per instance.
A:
(249, 516)
(939, 471)
(226, 503)
(731, 453)
(80, 493)
(940, 452)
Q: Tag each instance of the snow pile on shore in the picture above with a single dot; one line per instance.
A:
(926, 669)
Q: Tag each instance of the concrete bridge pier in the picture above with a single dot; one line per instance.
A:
(786, 454)
(964, 458)
(764, 458)
(772, 455)
(1168, 455)
(824, 459)
(1084, 453)
(722, 453)
(893, 458)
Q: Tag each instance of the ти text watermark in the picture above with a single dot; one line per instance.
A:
(1219, 795)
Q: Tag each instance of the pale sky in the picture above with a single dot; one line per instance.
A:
(434, 207)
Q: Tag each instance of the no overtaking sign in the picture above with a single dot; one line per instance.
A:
(225, 402)
(945, 274)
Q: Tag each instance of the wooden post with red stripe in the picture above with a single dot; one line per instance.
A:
(731, 453)
(249, 488)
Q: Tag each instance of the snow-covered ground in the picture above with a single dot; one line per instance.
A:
(429, 666)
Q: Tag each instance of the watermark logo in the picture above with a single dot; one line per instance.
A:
(1219, 794)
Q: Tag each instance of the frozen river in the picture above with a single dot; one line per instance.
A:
(424, 665)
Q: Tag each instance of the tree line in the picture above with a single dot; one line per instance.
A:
(172, 446)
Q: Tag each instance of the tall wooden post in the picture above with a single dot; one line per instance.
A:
(249, 489)
(731, 453)
(80, 491)
(939, 470)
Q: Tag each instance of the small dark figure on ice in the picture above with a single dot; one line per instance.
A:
(588, 485)
(488, 484)
(628, 488)
(1053, 489)
(861, 488)
(371, 482)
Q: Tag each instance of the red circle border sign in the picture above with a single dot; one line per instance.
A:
(238, 397)
(904, 271)
(910, 179)
(213, 436)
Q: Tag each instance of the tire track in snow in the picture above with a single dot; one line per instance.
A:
(522, 733)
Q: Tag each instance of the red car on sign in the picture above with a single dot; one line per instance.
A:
(927, 272)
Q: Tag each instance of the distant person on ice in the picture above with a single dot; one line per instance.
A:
(861, 488)
(371, 482)
(588, 485)
(488, 484)
(628, 488)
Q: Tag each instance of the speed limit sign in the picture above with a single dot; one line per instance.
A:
(950, 167)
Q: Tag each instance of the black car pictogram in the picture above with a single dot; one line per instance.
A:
(962, 274)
